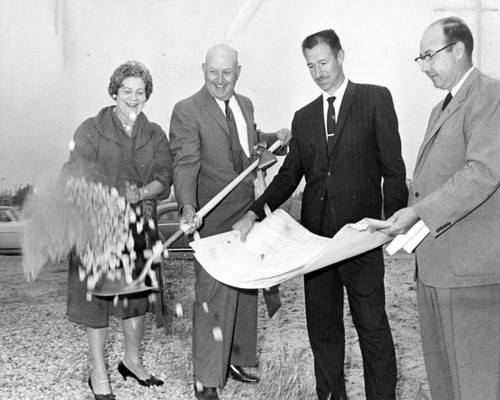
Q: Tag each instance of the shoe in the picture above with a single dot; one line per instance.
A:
(125, 372)
(109, 396)
(208, 393)
(239, 374)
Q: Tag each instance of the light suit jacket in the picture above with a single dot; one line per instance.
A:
(200, 142)
(455, 184)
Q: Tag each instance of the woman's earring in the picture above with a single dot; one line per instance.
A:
(114, 97)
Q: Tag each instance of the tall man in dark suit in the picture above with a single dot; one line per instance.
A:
(456, 194)
(212, 135)
(346, 144)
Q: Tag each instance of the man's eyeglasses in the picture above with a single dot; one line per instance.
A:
(429, 58)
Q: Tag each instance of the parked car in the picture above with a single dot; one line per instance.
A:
(11, 230)
(168, 223)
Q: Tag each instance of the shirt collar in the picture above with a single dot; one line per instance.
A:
(339, 94)
(222, 103)
(457, 87)
(233, 103)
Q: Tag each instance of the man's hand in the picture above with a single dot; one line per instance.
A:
(284, 135)
(401, 221)
(245, 224)
(190, 221)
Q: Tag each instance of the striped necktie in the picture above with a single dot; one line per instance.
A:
(331, 122)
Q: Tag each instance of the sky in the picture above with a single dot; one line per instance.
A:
(56, 57)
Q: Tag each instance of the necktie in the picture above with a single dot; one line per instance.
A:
(447, 99)
(331, 123)
(235, 146)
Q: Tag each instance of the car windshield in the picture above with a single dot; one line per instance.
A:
(10, 215)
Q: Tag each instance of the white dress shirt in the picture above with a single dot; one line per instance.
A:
(241, 125)
(339, 95)
(461, 82)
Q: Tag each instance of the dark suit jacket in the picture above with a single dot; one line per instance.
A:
(98, 151)
(367, 149)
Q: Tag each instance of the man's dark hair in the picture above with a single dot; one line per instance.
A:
(456, 30)
(327, 36)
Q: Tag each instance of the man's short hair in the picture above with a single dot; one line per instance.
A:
(327, 36)
(456, 30)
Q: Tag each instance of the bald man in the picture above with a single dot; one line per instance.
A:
(212, 134)
(456, 195)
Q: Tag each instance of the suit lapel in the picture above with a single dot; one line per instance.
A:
(347, 100)
(213, 109)
(439, 117)
(317, 129)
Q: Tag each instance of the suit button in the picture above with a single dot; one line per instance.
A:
(322, 198)
(250, 181)
(417, 194)
(329, 173)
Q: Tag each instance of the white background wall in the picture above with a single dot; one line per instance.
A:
(56, 57)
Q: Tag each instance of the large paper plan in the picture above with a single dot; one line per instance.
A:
(279, 248)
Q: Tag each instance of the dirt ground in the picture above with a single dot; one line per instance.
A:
(44, 356)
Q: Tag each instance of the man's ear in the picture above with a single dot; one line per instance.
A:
(459, 50)
(340, 56)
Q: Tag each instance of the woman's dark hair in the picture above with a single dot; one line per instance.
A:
(126, 70)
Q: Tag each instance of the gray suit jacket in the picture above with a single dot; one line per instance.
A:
(456, 194)
(200, 142)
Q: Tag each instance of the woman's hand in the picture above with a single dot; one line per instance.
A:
(132, 194)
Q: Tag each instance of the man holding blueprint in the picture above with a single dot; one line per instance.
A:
(346, 145)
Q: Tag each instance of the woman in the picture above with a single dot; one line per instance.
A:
(119, 148)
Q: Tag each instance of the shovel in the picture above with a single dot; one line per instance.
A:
(106, 287)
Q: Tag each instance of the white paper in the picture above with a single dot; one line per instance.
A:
(279, 248)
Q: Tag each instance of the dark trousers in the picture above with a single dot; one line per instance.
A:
(363, 279)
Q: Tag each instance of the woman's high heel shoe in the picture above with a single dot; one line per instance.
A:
(109, 396)
(125, 372)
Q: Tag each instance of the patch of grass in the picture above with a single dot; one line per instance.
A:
(178, 280)
(287, 376)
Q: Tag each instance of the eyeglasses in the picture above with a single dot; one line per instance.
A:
(429, 58)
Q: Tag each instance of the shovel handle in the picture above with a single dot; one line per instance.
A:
(224, 192)
(147, 267)
(204, 211)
